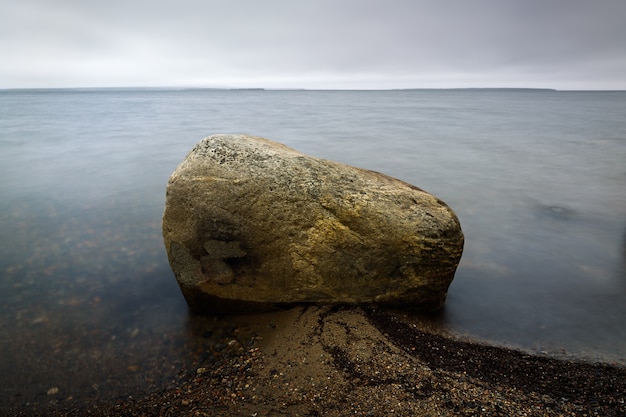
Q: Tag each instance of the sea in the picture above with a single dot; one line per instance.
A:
(90, 307)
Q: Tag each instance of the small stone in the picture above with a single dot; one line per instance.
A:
(40, 319)
(53, 391)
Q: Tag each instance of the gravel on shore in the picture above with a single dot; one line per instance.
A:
(341, 361)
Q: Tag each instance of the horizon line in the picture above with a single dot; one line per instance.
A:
(186, 88)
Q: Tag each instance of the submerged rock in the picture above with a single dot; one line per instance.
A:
(251, 224)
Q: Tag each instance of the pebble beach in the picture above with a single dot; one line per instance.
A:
(343, 360)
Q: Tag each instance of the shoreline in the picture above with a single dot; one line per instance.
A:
(341, 360)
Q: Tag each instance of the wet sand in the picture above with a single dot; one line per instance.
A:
(339, 361)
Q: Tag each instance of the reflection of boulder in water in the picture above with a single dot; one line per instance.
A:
(558, 212)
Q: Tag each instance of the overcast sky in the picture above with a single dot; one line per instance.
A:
(362, 44)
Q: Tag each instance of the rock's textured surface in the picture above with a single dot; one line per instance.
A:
(251, 224)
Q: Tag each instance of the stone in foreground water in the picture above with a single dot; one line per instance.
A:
(250, 224)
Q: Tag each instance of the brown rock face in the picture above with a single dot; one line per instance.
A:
(251, 224)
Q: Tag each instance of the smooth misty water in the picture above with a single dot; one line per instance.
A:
(537, 178)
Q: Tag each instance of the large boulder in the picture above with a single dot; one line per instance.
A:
(251, 224)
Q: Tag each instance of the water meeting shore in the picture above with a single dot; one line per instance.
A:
(339, 361)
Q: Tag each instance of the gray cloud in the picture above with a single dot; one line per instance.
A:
(314, 43)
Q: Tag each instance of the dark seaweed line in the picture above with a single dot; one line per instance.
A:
(588, 384)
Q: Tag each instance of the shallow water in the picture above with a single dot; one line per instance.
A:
(90, 307)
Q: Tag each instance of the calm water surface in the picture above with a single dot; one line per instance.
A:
(90, 307)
